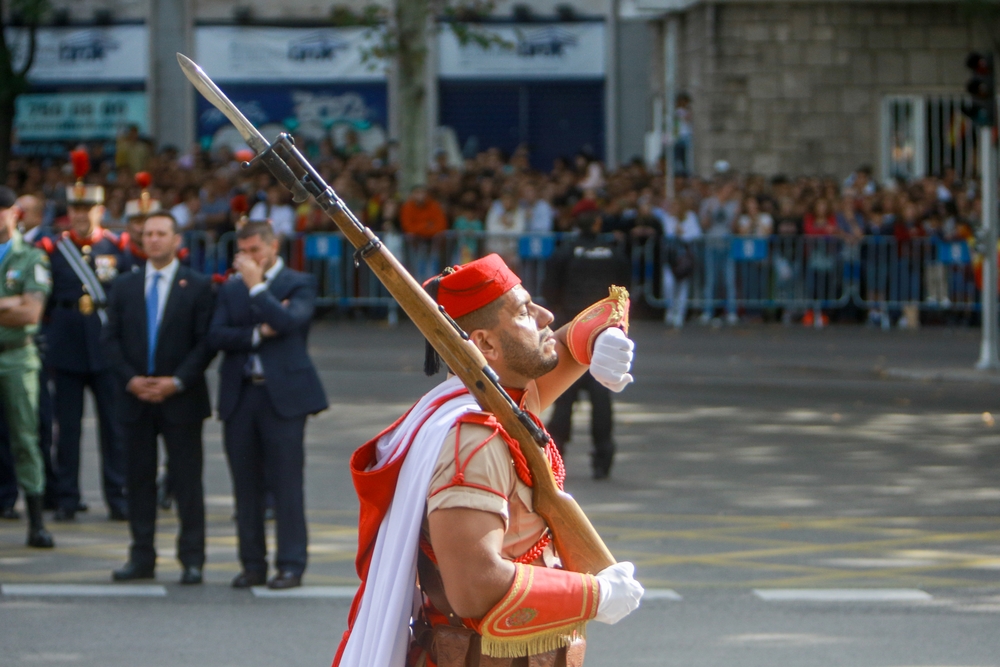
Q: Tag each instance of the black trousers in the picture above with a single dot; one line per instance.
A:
(8, 477)
(601, 419)
(68, 414)
(266, 453)
(185, 461)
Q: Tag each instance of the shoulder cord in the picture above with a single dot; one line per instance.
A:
(523, 473)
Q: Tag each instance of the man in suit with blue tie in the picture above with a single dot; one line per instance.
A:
(157, 342)
(267, 387)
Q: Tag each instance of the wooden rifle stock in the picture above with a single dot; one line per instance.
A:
(577, 542)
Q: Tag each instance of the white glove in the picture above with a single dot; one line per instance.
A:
(620, 593)
(611, 360)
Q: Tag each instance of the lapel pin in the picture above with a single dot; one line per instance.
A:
(182, 282)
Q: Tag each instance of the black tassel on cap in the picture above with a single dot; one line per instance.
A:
(432, 360)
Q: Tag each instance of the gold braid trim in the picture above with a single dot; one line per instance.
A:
(620, 296)
(506, 630)
(533, 645)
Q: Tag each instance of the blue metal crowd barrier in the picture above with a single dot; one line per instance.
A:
(809, 273)
(727, 273)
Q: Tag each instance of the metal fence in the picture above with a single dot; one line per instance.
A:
(712, 275)
(811, 273)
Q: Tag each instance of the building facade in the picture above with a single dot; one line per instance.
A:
(792, 87)
(824, 87)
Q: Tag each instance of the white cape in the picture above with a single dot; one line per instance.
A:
(381, 633)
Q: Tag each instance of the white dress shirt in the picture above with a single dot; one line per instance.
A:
(167, 274)
(279, 264)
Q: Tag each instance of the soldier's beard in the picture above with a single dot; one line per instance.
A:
(530, 362)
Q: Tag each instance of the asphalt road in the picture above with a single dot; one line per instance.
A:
(754, 464)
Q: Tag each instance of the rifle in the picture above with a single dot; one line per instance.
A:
(580, 547)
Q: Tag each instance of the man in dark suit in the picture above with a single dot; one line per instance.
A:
(157, 342)
(267, 387)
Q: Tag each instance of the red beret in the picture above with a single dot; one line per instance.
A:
(583, 206)
(474, 285)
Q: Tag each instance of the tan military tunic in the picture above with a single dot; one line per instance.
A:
(490, 485)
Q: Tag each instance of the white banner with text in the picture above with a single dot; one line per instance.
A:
(83, 55)
(288, 55)
(525, 51)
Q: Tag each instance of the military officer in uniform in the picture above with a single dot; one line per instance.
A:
(85, 259)
(25, 286)
(136, 212)
(579, 273)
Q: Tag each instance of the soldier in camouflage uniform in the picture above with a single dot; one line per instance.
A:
(23, 292)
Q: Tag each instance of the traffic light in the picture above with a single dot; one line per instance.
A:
(981, 87)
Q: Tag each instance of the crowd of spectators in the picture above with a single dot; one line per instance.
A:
(494, 192)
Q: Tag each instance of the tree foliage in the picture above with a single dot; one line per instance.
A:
(26, 14)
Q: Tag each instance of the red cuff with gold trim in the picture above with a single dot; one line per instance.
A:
(544, 610)
(588, 325)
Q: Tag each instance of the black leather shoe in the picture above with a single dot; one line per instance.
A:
(191, 575)
(117, 514)
(63, 515)
(248, 579)
(131, 572)
(10, 514)
(284, 580)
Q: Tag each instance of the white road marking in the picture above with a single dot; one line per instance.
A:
(82, 590)
(329, 592)
(772, 640)
(842, 595)
(661, 594)
(51, 657)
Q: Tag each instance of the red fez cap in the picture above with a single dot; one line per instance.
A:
(583, 206)
(239, 204)
(474, 285)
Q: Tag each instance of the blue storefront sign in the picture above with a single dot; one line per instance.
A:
(543, 88)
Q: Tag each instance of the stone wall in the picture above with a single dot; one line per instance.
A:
(796, 88)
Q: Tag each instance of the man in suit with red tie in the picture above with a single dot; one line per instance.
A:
(157, 342)
(267, 387)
